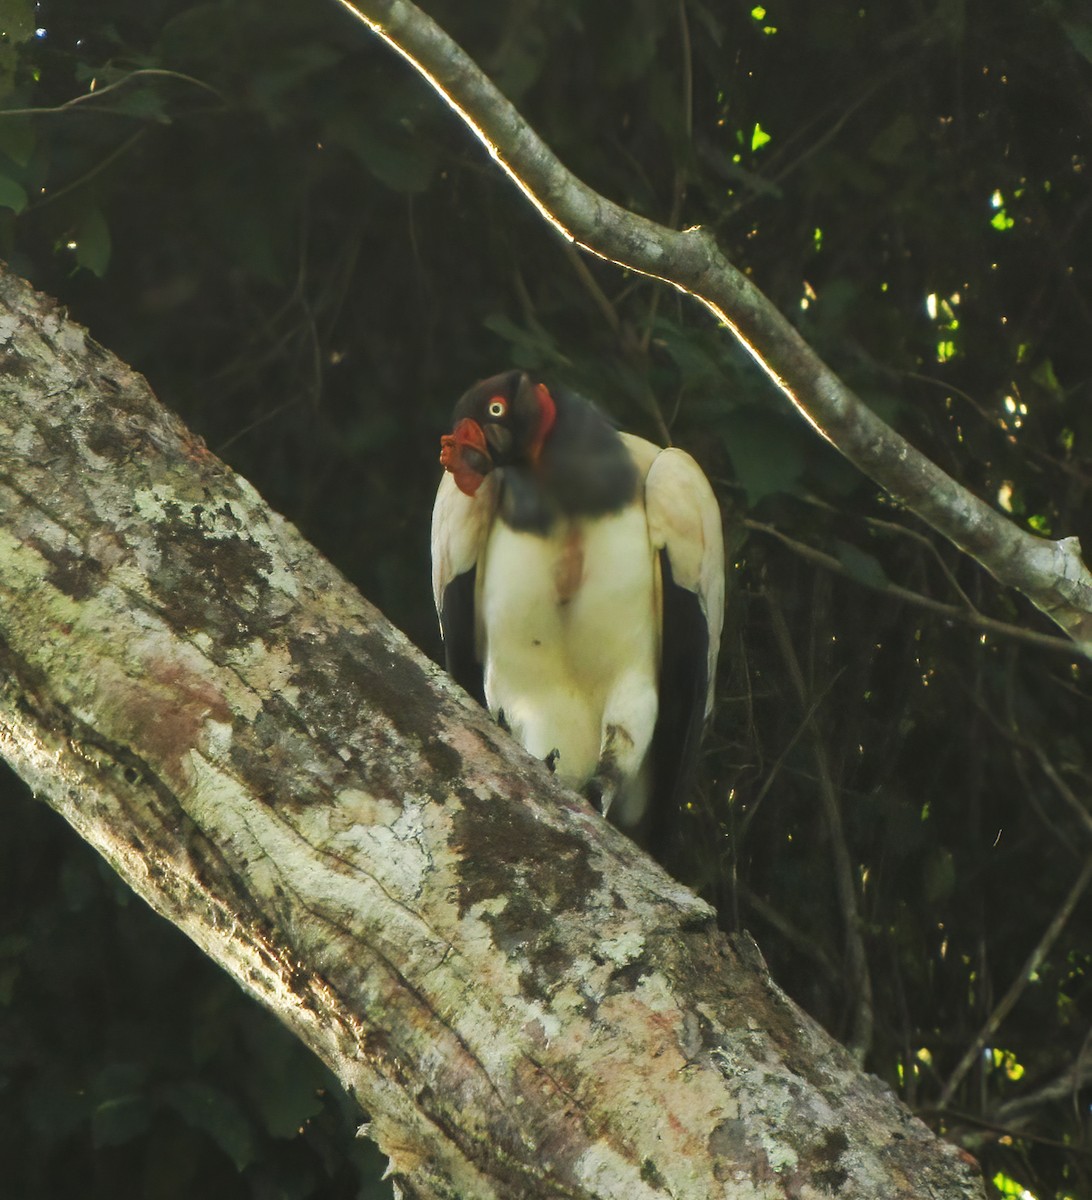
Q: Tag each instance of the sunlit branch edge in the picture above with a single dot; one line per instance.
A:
(1051, 574)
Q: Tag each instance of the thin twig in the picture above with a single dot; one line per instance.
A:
(917, 536)
(956, 613)
(773, 176)
(1063, 789)
(775, 767)
(599, 297)
(1050, 573)
(804, 942)
(678, 195)
(1016, 989)
(860, 982)
(999, 1130)
(1074, 1079)
(1010, 731)
(74, 104)
(97, 169)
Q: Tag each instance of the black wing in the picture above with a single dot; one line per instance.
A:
(460, 528)
(457, 619)
(684, 686)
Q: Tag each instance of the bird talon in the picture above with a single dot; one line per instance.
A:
(502, 721)
(551, 760)
(594, 794)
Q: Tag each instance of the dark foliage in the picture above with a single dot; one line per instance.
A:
(264, 211)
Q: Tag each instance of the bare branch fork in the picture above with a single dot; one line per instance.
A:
(523, 1003)
(1051, 574)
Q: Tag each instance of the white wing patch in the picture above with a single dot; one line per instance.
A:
(684, 520)
(460, 527)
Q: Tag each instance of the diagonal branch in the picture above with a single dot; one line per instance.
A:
(523, 1003)
(1050, 573)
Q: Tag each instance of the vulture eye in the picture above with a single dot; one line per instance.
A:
(497, 407)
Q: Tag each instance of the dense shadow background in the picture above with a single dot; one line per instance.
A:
(263, 210)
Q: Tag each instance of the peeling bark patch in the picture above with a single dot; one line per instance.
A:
(399, 687)
(269, 753)
(271, 749)
(122, 418)
(74, 574)
(106, 440)
(823, 1168)
(443, 759)
(15, 365)
(211, 583)
(375, 680)
(165, 713)
(651, 1174)
(627, 978)
(538, 871)
(225, 514)
(736, 1157)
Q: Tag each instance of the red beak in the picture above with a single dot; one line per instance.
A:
(465, 454)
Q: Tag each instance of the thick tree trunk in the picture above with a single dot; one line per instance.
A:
(522, 1001)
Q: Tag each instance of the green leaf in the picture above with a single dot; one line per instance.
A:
(692, 352)
(1080, 35)
(1008, 1187)
(392, 154)
(12, 194)
(892, 144)
(143, 102)
(17, 139)
(121, 1109)
(759, 137)
(16, 27)
(271, 86)
(120, 1119)
(939, 876)
(217, 1114)
(9, 976)
(1044, 376)
(531, 348)
(92, 238)
(712, 25)
(288, 1086)
(54, 1106)
(860, 565)
(78, 884)
(766, 452)
(632, 50)
(16, 20)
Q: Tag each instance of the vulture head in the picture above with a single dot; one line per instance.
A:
(502, 421)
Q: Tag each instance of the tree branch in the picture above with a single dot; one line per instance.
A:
(965, 612)
(1050, 573)
(521, 1000)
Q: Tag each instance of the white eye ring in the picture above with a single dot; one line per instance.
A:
(497, 408)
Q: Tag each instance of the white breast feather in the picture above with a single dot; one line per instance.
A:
(573, 634)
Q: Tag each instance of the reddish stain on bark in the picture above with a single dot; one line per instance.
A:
(162, 714)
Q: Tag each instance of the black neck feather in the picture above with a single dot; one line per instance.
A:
(584, 470)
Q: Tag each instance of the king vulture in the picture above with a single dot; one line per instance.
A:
(578, 574)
